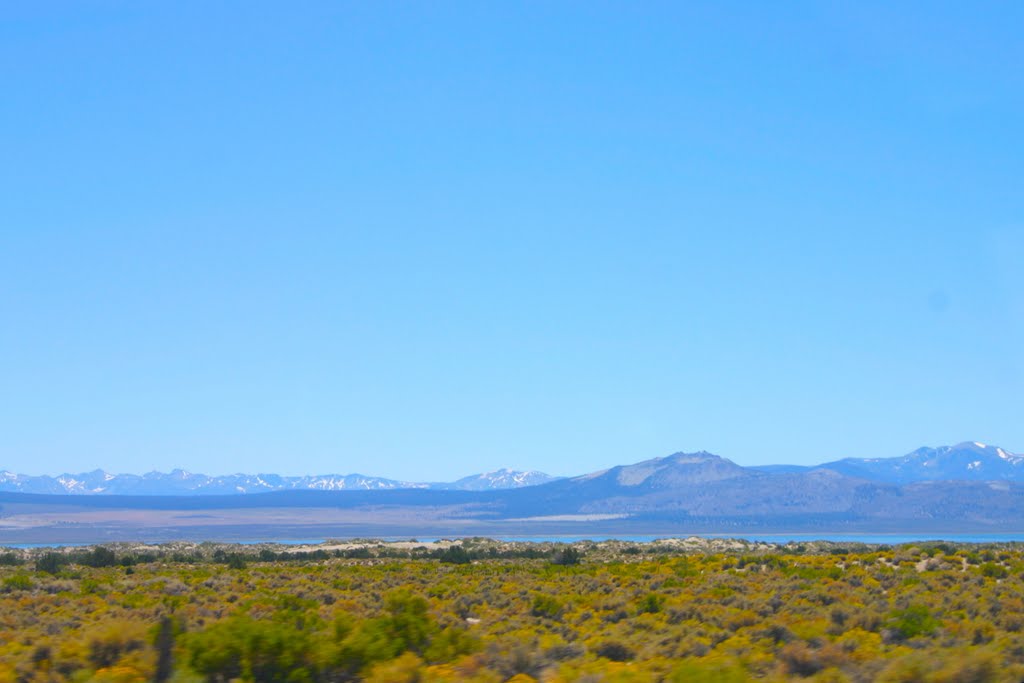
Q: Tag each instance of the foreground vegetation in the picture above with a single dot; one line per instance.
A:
(488, 611)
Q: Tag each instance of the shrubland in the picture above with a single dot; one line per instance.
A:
(487, 611)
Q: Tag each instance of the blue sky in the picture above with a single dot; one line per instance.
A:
(422, 240)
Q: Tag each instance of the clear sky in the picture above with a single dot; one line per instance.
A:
(423, 240)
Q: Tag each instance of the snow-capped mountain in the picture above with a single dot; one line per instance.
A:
(968, 461)
(181, 482)
(499, 479)
(96, 481)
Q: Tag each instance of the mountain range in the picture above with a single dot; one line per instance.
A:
(180, 482)
(968, 461)
(967, 488)
(940, 485)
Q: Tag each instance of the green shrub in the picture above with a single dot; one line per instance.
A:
(51, 563)
(913, 621)
(566, 556)
(650, 604)
(10, 559)
(455, 554)
(253, 650)
(99, 557)
(615, 651)
(18, 582)
(546, 606)
(994, 571)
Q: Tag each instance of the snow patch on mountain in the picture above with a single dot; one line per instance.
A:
(504, 478)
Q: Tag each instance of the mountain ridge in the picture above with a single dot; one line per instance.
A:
(965, 461)
(680, 493)
(183, 482)
(972, 461)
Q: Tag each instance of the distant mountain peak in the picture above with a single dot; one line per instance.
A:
(988, 450)
(678, 469)
(504, 478)
(693, 458)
